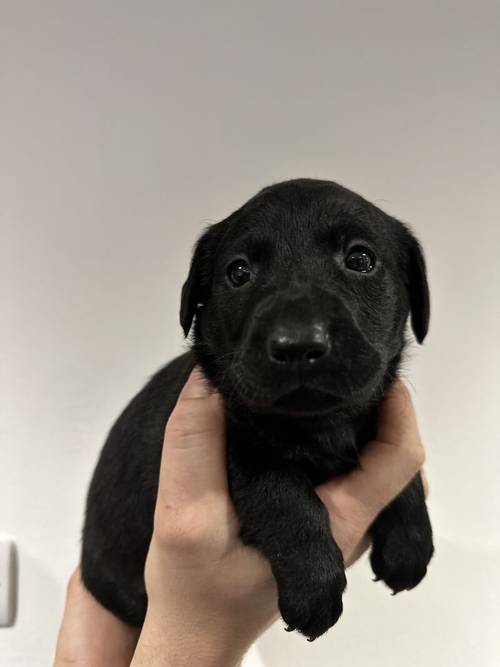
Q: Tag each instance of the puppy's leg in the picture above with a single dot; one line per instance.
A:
(402, 539)
(281, 515)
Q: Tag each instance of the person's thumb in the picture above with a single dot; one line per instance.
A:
(193, 469)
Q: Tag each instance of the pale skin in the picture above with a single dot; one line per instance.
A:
(209, 596)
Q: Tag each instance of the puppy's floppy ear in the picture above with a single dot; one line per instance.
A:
(418, 289)
(196, 289)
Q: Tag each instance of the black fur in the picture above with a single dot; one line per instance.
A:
(290, 425)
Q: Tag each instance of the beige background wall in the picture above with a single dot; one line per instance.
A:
(124, 127)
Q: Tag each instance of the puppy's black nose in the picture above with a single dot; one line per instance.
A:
(300, 345)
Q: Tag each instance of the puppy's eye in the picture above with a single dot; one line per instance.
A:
(239, 272)
(360, 259)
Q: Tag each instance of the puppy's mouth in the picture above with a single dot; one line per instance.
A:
(305, 401)
(341, 385)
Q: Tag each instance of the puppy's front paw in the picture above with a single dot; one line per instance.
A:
(310, 594)
(400, 554)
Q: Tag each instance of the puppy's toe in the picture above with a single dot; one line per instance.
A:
(312, 607)
(400, 557)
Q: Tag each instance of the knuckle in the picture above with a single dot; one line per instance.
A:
(181, 531)
(416, 454)
(420, 455)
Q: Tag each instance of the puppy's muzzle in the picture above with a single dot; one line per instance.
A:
(301, 345)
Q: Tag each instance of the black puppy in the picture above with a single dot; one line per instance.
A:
(299, 301)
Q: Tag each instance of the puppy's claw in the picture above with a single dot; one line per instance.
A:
(376, 579)
(289, 628)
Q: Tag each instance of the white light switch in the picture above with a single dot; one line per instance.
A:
(7, 582)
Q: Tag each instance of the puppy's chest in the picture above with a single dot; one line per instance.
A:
(326, 454)
(320, 455)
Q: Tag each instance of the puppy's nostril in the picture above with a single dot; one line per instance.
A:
(289, 350)
(280, 357)
(313, 355)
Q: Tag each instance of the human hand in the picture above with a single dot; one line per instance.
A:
(210, 597)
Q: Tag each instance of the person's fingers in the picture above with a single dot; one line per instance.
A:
(425, 482)
(397, 421)
(352, 553)
(387, 465)
(193, 468)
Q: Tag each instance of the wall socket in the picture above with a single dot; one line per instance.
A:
(8, 582)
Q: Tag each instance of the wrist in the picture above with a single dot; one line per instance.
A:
(170, 645)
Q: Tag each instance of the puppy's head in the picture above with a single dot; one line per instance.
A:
(300, 299)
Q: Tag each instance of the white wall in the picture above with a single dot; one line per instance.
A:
(124, 128)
